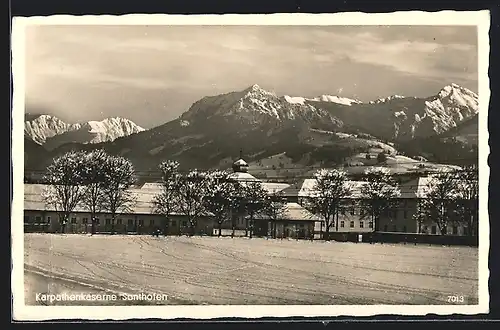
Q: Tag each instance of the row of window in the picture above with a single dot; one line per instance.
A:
(351, 224)
(395, 228)
(130, 222)
(391, 213)
(453, 230)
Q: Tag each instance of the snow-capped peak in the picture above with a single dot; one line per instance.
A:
(46, 128)
(386, 99)
(112, 128)
(294, 99)
(454, 89)
(256, 91)
(451, 106)
(254, 105)
(336, 99)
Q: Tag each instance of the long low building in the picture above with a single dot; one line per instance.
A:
(296, 220)
(139, 218)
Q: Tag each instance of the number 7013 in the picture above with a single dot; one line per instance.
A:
(456, 299)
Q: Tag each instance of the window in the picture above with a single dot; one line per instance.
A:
(455, 230)
(130, 222)
(395, 214)
(404, 229)
(342, 224)
(394, 228)
(152, 222)
(38, 219)
(353, 209)
(370, 224)
(351, 224)
(73, 220)
(173, 223)
(361, 224)
(433, 230)
(48, 219)
(301, 225)
(141, 222)
(85, 220)
(119, 221)
(405, 214)
(26, 218)
(108, 221)
(184, 223)
(97, 221)
(385, 227)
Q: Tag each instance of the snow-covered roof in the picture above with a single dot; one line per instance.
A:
(242, 176)
(294, 212)
(273, 188)
(408, 190)
(307, 188)
(33, 199)
(240, 162)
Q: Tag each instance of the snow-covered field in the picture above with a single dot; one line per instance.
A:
(210, 270)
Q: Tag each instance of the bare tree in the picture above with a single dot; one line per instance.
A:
(274, 209)
(330, 189)
(166, 201)
(467, 206)
(93, 177)
(379, 194)
(220, 197)
(64, 191)
(191, 193)
(250, 200)
(420, 216)
(119, 179)
(439, 200)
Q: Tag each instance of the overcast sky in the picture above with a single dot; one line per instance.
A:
(152, 74)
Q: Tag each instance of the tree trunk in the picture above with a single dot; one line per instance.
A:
(92, 224)
(64, 222)
(166, 227)
(113, 216)
(251, 227)
(337, 221)
(246, 227)
(193, 228)
(327, 232)
(220, 229)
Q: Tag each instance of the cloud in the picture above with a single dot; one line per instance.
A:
(101, 70)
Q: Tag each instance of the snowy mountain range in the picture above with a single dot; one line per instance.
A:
(325, 129)
(255, 106)
(51, 132)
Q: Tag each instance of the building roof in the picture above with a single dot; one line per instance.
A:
(242, 176)
(272, 187)
(307, 188)
(33, 199)
(294, 212)
(408, 190)
(240, 162)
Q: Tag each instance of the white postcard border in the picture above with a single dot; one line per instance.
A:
(21, 312)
